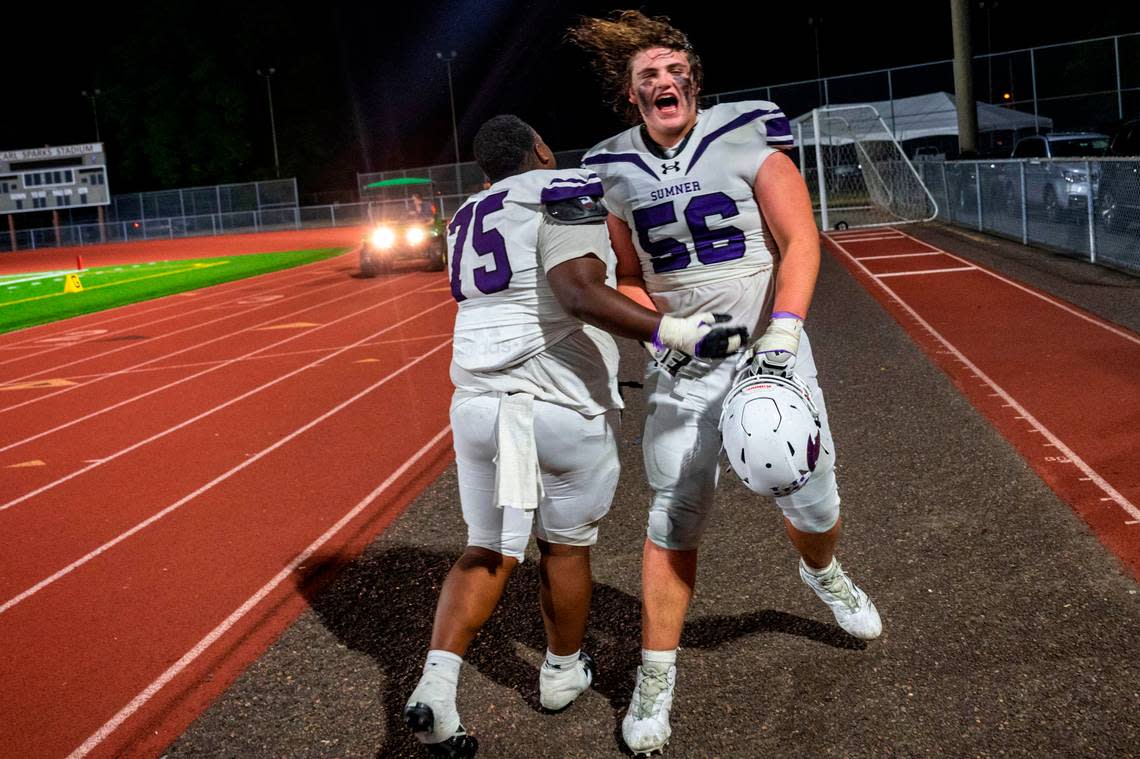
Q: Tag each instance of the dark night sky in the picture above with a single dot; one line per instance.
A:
(359, 86)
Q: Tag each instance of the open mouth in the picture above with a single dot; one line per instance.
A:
(666, 104)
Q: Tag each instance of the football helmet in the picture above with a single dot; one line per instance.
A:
(772, 434)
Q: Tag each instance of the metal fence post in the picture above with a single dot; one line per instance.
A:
(978, 192)
(946, 189)
(333, 208)
(1091, 216)
(1025, 212)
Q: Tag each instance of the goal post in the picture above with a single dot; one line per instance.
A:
(857, 172)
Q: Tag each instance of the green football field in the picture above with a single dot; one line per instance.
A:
(36, 298)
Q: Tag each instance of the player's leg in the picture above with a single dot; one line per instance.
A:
(496, 541)
(681, 445)
(812, 521)
(578, 483)
(469, 595)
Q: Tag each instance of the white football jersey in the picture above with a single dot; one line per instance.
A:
(511, 334)
(691, 209)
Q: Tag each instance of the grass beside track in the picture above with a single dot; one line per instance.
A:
(37, 298)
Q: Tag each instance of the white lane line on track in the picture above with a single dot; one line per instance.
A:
(1112, 493)
(203, 343)
(61, 339)
(1047, 298)
(924, 271)
(900, 255)
(267, 356)
(208, 412)
(177, 315)
(213, 367)
(212, 637)
(209, 485)
(222, 289)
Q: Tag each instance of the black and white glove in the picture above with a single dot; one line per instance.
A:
(776, 350)
(702, 335)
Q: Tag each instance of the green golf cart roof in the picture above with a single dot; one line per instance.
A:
(397, 182)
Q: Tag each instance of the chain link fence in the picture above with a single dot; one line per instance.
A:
(201, 201)
(1089, 209)
(1080, 85)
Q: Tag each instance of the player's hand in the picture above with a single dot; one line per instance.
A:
(702, 335)
(776, 350)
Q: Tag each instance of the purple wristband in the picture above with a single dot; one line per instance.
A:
(786, 315)
(656, 340)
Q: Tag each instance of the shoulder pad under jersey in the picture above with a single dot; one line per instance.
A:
(580, 210)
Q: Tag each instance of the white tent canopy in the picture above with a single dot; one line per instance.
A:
(911, 118)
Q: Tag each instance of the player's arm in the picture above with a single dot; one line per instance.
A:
(784, 201)
(573, 255)
(630, 281)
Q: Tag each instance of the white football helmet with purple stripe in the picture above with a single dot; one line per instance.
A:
(772, 434)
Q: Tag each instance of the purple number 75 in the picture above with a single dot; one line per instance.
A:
(489, 279)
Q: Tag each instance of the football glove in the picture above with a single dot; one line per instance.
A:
(775, 352)
(702, 335)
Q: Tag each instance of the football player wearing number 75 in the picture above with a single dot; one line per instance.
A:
(535, 410)
(707, 214)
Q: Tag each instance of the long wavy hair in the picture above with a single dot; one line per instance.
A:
(614, 42)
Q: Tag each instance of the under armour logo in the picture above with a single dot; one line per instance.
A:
(667, 167)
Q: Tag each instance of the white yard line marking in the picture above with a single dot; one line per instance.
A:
(1048, 299)
(210, 485)
(1112, 493)
(924, 271)
(212, 637)
(198, 417)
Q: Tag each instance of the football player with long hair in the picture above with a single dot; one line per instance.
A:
(706, 213)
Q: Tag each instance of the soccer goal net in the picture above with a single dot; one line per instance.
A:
(856, 171)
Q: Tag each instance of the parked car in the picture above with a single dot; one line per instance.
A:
(1118, 196)
(1059, 187)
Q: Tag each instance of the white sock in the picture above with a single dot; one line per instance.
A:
(658, 660)
(561, 662)
(818, 572)
(444, 664)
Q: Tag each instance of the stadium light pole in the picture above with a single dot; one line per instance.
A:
(815, 22)
(272, 122)
(94, 111)
(988, 6)
(454, 130)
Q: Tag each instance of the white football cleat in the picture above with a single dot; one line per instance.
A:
(645, 728)
(558, 686)
(853, 610)
(431, 714)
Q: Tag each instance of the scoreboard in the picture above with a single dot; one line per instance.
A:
(51, 178)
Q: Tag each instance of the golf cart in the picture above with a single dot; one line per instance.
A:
(402, 231)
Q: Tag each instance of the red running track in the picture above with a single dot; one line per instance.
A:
(166, 471)
(1058, 382)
